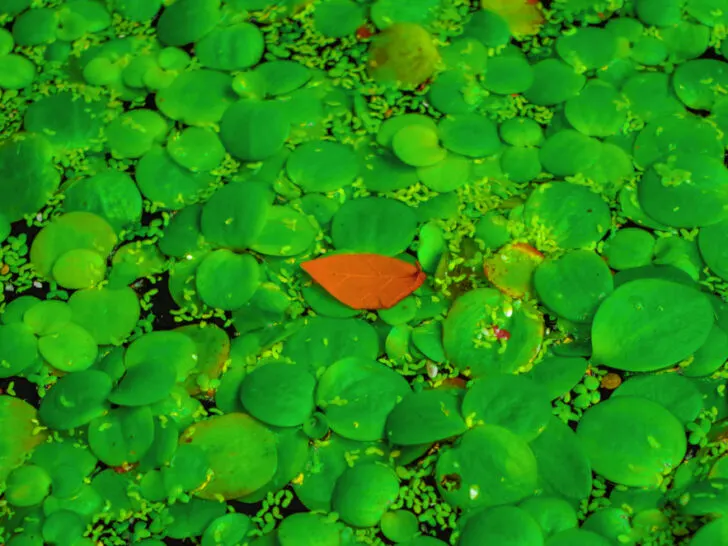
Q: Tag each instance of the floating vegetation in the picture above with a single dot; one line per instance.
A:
(336, 272)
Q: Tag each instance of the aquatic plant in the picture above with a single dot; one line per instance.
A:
(363, 271)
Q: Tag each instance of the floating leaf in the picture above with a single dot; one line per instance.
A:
(425, 417)
(511, 269)
(363, 493)
(399, 525)
(27, 486)
(713, 533)
(501, 525)
(327, 463)
(365, 281)
(636, 455)
(553, 514)
(374, 225)
(558, 374)
(486, 333)
(404, 53)
(510, 401)
(563, 465)
(122, 436)
(279, 394)
(16, 419)
(577, 537)
(629, 248)
(488, 466)
(321, 341)
(227, 440)
(357, 395)
(569, 215)
(18, 349)
(75, 399)
(226, 530)
(293, 452)
(190, 519)
(650, 324)
(68, 466)
(573, 285)
(522, 16)
(676, 393)
(307, 529)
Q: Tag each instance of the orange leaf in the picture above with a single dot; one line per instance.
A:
(365, 281)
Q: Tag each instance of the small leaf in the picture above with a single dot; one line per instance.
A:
(365, 281)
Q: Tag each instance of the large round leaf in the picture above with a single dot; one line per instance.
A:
(225, 280)
(553, 514)
(687, 191)
(254, 130)
(566, 215)
(108, 314)
(16, 419)
(70, 349)
(321, 341)
(501, 525)
(235, 214)
(488, 466)
(563, 465)
(713, 248)
(510, 401)
(650, 324)
(573, 285)
(18, 349)
(145, 383)
(71, 231)
(374, 224)
(715, 532)
(287, 232)
(486, 332)
(308, 529)
(293, 452)
(75, 399)
(425, 417)
(363, 493)
(674, 392)
(187, 21)
(27, 176)
(322, 166)
(577, 537)
(632, 441)
(234, 47)
(170, 346)
(241, 452)
(122, 436)
(196, 97)
(279, 394)
(357, 395)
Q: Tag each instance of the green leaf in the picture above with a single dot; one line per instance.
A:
(650, 324)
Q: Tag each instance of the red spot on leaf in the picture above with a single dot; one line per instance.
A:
(424, 84)
(454, 383)
(500, 333)
(363, 32)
